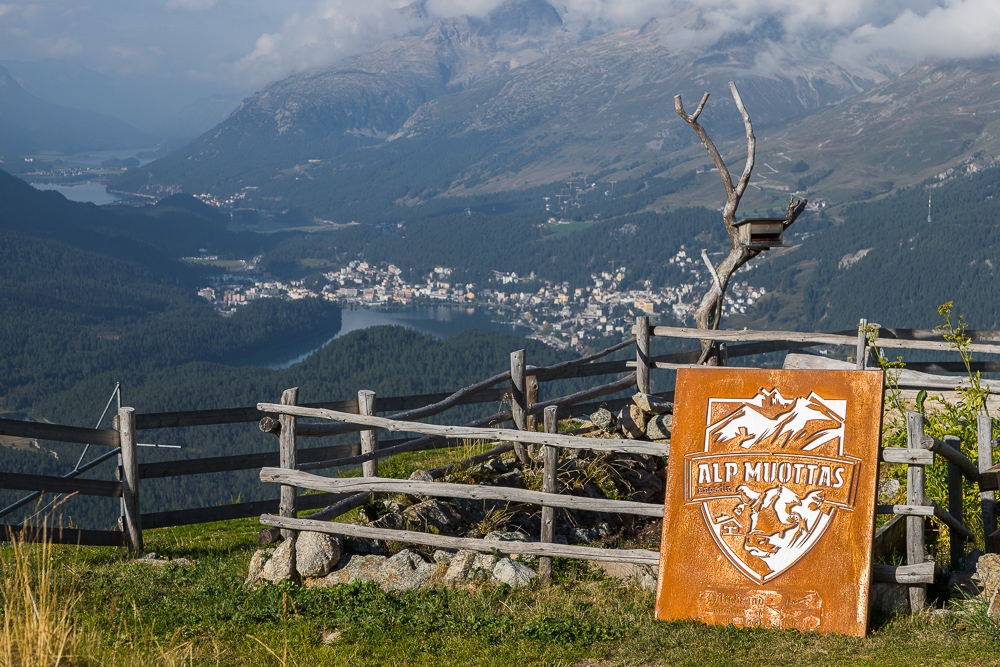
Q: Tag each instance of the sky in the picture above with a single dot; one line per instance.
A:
(238, 46)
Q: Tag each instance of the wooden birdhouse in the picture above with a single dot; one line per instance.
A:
(761, 233)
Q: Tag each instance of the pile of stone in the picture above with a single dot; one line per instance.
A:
(647, 418)
(318, 560)
(325, 560)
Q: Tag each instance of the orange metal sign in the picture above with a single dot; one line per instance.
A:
(770, 500)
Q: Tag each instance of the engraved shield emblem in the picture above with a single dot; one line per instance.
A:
(772, 478)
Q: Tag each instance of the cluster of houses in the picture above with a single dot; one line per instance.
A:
(557, 314)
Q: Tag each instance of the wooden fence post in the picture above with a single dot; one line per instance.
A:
(550, 461)
(642, 353)
(531, 422)
(369, 439)
(132, 521)
(955, 540)
(519, 400)
(288, 458)
(987, 499)
(915, 478)
(862, 351)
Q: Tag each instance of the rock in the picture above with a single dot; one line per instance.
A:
(281, 565)
(885, 600)
(330, 638)
(628, 427)
(351, 568)
(632, 422)
(888, 488)
(404, 571)
(988, 573)
(512, 573)
(154, 559)
(653, 405)
(647, 582)
(491, 467)
(988, 576)
(317, 553)
(257, 566)
(504, 536)
(366, 545)
(579, 535)
(433, 514)
(392, 521)
(644, 486)
(482, 566)
(658, 428)
(460, 568)
(442, 557)
(391, 506)
(513, 479)
(604, 420)
(420, 476)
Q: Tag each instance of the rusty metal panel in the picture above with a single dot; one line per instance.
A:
(770, 500)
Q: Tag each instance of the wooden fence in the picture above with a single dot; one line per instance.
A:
(290, 464)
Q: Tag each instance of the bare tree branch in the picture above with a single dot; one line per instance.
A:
(709, 312)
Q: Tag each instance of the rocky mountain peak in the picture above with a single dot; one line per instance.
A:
(524, 17)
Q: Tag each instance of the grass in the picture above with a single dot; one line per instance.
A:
(102, 608)
(39, 627)
(97, 606)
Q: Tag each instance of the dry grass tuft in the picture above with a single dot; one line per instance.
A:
(38, 629)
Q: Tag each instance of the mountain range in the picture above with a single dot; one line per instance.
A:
(513, 100)
(30, 125)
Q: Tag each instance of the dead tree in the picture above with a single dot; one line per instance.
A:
(708, 314)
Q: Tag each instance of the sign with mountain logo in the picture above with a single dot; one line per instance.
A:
(771, 498)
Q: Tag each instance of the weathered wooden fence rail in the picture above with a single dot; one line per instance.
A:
(289, 464)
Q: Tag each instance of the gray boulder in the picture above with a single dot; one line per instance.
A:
(317, 553)
(632, 422)
(256, 568)
(658, 428)
(433, 514)
(988, 576)
(281, 565)
(420, 476)
(404, 571)
(604, 420)
(652, 405)
(513, 573)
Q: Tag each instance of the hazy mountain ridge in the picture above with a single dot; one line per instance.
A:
(29, 125)
(553, 102)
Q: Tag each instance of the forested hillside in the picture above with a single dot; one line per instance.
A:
(886, 262)
(391, 361)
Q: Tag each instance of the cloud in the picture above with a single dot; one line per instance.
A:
(956, 29)
(453, 8)
(333, 30)
(190, 5)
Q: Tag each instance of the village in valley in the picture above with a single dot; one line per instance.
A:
(557, 314)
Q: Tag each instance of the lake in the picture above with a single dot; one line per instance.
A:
(92, 191)
(438, 321)
(88, 191)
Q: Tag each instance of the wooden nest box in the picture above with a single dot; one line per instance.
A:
(761, 233)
